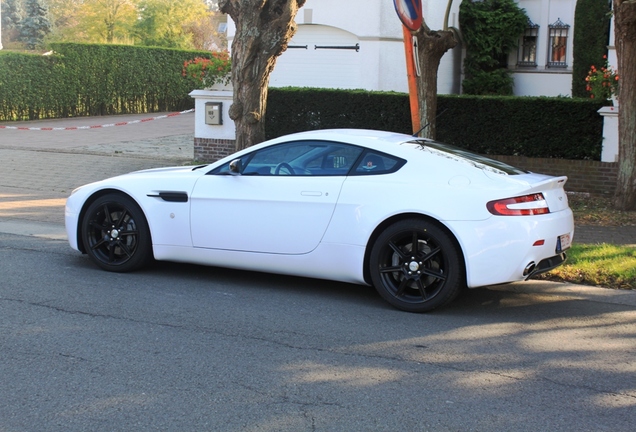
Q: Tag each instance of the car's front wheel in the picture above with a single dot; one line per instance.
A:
(416, 266)
(115, 233)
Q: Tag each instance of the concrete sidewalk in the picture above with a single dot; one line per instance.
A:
(39, 168)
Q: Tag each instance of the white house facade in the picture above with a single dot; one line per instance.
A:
(358, 44)
(542, 65)
(354, 44)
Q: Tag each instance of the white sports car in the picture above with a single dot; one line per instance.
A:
(415, 218)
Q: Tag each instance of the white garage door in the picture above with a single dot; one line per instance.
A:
(319, 56)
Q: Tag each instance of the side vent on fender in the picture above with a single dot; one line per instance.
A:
(171, 196)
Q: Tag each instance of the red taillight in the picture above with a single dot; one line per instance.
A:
(527, 205)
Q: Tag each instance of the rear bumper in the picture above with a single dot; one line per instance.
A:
(547, 264)
(506, 249)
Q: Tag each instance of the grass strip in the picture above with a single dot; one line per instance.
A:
(604, 265)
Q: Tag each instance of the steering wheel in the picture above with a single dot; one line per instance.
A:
(286, 166)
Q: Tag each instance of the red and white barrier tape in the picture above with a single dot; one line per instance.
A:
(97, 126)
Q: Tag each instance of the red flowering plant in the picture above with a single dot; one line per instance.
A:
(209, 71)
(602, 83)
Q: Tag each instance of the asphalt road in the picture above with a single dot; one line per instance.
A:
(180, 347)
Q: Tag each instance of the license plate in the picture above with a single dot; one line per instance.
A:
(563, 243)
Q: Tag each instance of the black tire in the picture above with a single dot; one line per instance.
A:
(115, 233)
(416, 279)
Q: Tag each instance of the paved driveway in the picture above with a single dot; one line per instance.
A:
(39, 167)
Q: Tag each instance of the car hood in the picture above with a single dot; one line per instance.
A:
(181, 178)
(174, 169)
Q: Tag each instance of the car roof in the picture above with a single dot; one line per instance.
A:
(391, 143)
(374, 139)
(406, 146)
(353, 136)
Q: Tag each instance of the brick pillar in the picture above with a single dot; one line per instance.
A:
(211, 149)
(214, 135)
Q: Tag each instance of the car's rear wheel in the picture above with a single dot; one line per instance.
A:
(115, 233)
(416, 266)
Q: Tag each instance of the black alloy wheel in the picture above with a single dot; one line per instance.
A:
(415, 266)
(115, 233)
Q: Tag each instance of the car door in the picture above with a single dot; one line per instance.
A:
(280, 201)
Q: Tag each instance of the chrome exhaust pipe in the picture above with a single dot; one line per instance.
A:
(529, 268)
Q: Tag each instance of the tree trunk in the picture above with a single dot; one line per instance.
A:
(431, 46)
(263, 29)
(625, 41)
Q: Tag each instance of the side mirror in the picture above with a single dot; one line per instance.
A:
(235, 167)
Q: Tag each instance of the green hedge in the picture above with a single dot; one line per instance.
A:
(31, 86)
(94, 79)
(543, 127)
(498, 125)
(83, 79)
(292, 110)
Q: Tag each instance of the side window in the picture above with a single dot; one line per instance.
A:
(278, 160)
(225, 168)
(299, 158)
(337, 159)
(377, 163)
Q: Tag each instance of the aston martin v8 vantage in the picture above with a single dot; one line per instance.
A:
(415, 218)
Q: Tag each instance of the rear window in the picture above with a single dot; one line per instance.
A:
(463, 155)
(377, 163)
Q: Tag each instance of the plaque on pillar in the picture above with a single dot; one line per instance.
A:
(214, 113)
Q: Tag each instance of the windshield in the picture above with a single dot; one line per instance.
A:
(462, 155)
